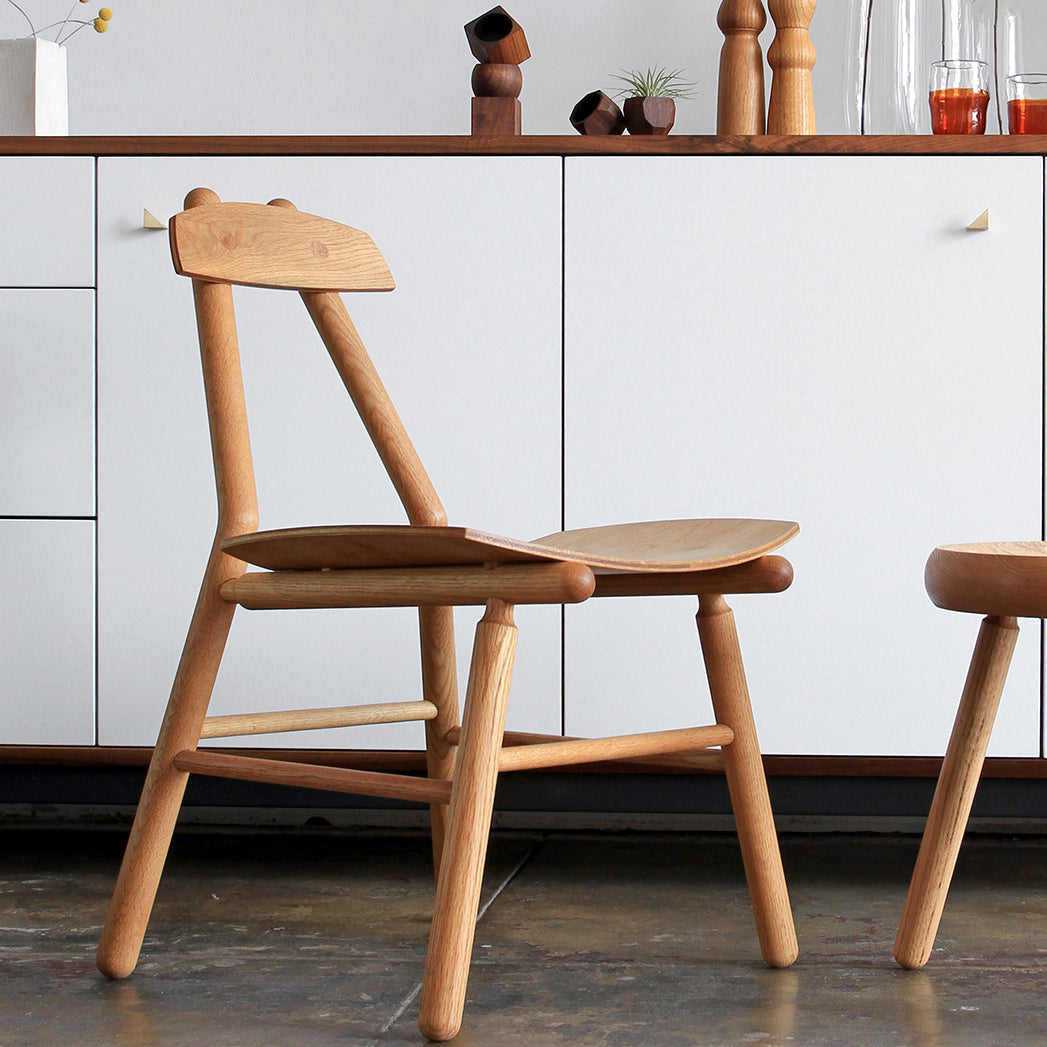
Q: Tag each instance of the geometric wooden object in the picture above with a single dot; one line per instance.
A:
(496, 37)
(496, 116)
(791, 57)
(1003, 581)
(497, 80)
(650, 115)
(596, 114)
(499, 45)
(740, 101)
(433, 567)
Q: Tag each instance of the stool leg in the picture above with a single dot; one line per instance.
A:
(164, 787)
(469, 821)
(954, 794)
(747, 783)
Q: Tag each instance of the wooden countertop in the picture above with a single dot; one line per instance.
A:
(526, 145)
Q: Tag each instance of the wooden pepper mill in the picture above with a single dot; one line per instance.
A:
(499, 46)
(791, 57)
(740, 95)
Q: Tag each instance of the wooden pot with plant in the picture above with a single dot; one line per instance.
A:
(650, 102)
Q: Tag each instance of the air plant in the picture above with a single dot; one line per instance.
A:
(654, 83)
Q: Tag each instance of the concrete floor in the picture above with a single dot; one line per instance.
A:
(318, 938)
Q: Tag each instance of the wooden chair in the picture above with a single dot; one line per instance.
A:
(434, 567)
(1003, 581)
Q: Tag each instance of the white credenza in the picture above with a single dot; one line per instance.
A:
(574, 340)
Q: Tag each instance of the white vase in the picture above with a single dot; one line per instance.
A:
(34, 97)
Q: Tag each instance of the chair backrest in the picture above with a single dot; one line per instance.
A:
(276, 246)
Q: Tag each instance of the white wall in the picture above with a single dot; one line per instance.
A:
(391, 67)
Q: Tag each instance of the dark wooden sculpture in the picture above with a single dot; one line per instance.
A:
(499, 45)
(650, 115)
(596, 114)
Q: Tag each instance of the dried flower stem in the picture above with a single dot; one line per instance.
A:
(58, 35)
(32, 28)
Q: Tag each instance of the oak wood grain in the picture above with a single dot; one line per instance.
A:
(996, 578)
(663, 545)
(260, 245)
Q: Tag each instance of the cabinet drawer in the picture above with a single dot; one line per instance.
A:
(47, 633)
(47, 221)
(47, 403)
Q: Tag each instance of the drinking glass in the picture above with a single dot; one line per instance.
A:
(959, 97)
(1027, 103)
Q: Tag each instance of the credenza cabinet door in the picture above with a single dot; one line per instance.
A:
(47, 632)
(47, 402)
(817, 339)
(47, 221)
(469, 346)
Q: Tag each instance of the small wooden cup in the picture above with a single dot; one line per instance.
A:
(597, 114)
(496, 37)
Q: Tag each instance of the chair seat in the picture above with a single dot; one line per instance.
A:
(1007, 579)
(663, 546)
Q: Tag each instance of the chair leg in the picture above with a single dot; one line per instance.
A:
(469, 821)
(439, 686)
(955, 791)
(161, 798)
(747, 783)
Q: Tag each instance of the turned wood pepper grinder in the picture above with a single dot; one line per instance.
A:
(791, 57)
(740, 94)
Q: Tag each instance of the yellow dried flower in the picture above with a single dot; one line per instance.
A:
(101, 25)
(105, 13)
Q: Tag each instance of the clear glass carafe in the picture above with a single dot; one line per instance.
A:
(889, 50)
(1020, 45)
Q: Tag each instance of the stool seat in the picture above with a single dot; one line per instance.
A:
(1005, 579)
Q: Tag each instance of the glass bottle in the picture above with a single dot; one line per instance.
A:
(1020, 44)
(889, 50)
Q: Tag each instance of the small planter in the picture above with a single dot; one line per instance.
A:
(649, 115)
(596, 114)
(33, 88)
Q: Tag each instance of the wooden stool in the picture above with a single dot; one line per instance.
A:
(1003, 581)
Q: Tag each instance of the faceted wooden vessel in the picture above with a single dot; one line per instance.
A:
(596, 114)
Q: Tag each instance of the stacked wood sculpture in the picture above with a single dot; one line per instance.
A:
(499, 46)
(791, 56)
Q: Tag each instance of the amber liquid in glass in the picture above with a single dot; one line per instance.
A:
(959, 111)
(1027, 116)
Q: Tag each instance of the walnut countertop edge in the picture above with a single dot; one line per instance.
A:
(525, 145)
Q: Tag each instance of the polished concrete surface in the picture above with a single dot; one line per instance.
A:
(318, 938)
